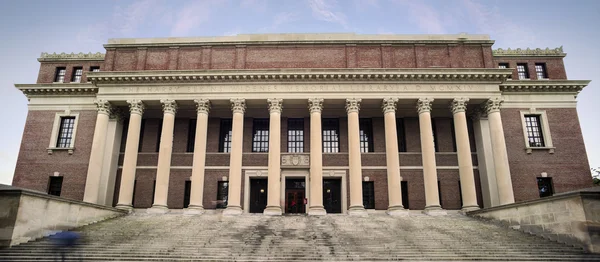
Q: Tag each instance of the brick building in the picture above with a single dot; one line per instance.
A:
(334, 123)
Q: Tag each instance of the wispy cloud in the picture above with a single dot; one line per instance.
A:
(194, 15)
(280, 19)
(424, 16)
(325, 11)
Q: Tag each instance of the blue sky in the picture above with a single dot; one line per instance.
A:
(30, 27)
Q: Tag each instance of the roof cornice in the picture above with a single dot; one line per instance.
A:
(279, 75)
(58, 89)
(556, 52)
(574, 86)
(47, 57)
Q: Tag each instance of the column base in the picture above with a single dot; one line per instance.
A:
(156, 209)
(128, 208)
(317, 211)
(434, 211)
(357, 211)
(233, 211)
(467, 209)
(398, 211)
(194, 210)
(272, 211)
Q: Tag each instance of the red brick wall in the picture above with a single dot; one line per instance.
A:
(555, 68)
(48, 70)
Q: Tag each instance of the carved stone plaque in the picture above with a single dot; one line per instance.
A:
(295, 160)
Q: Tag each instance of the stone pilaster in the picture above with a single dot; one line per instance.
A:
(356, 196)
(316, 208)
(234, 207)
(136, 110)
(92, 183)
(463, 149)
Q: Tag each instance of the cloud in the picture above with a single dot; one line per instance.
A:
(361, 5)
(324, 10)
(424, 16)
(280, 19)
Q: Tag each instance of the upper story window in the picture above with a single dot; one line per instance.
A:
(366, 135)
(534, 130)
(65, 133)
(260, 136)
(55, 185)
(60, 74)
(401, 135)
(295, 135)
(191, 135)
(434, 132)
(225, 136)
(540, 70)
(95, 69)
(522, 71)
(503, 66)
(77, 73)
(331, 137)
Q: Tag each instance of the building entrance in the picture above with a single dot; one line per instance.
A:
(332, 195)
(258, 195)
(295, 194)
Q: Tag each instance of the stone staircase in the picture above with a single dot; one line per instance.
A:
(212, 237)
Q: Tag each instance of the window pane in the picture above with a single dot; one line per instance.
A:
(534, 131)
(225, 136)
(65, 133)
(260, 137)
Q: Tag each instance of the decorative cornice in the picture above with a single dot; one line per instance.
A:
(72, 56)
(315, 105)
(424, 105)
(295, 75)
(530, 52)
(459, 105)
(202, 106)
(389, 105)
(353, 105)
(57, 89)
(238, 105)
(493, 105)
(169, 106)
(136, 106)
(275, 105)
(103, 106)
(574, 86)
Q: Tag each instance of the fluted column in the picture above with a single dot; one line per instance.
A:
(432, 202)
(92, 182)
(136, 109)
(274, 169)
(395, 207)
(163, 170)
(463, 149)
(234, 207)
(197, 190)
(356, 196)
(505, 189)
(316, 208)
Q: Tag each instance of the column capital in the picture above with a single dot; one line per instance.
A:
(103, 106)
(389, 105)
(493, 105)
(459, 105)
(169, 106)
(353, 105)
(238, 105)
(315, 105)
(136, 106)
(275, 105)
(424, 105)
(202, 105)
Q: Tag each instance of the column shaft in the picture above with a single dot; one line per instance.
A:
(465, 162)
(316, 158)
(391, 157)
(274, 169)
(163, 170)
(501, 166)
(197, 191)
(235, 160)
(92, 183)
(356, 194)
(432, 202)
(136, 107)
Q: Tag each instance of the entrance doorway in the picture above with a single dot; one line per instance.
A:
(295, 194)
(332, 195)
(258, 195)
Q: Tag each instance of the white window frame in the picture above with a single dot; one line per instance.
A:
(56, 128)
(545, 130)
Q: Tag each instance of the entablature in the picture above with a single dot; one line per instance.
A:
(73, 89)
(571, 86)
(555, 52)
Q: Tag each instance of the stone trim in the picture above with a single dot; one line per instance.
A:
(353, 105)
(55, 129)
(47, 57)
(545, 130)
(324, 167)
(262, 173)
(57, 89)
(556, 52)
(574, 86)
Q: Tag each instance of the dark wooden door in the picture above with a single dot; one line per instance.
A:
(258, 195)
(294, 201)
(332, 195)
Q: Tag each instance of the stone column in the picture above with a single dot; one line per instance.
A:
(395, 207)
(463, 149)
(196, 194)
(432, 201)
(316, 208)
(356, 197)
(505, 190)
(163, 169)
(234, 207)
(136, 109)
(92, 183)
(274, 170)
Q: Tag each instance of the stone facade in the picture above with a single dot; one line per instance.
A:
(297, 68)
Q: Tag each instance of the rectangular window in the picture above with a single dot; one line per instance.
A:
(142, 129)
(222, 192)
(331, 138)
(191, 136)
(545, 186)
(453, 133)
(65, 133)
(540, 70)
(158, 135)
(186, 193)
(55, 185)
(503, 65)
(295, 135)
(401, 135)
(522, 71)
(404, 188)
(260, 135)
(60, 74)
(77, 73)
(225, 136)
(95, 69)
(368, 188)
(366, 135)
(435, 144)
(534, 131)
